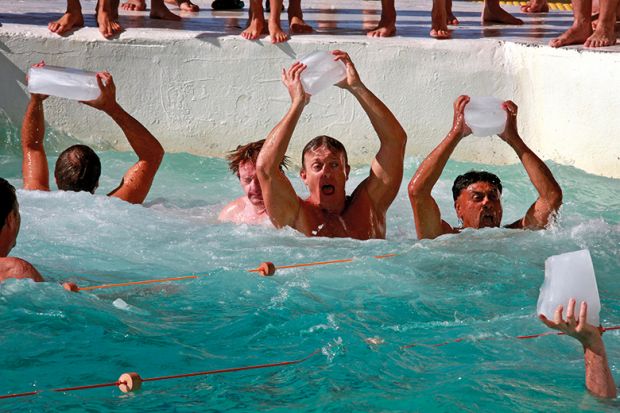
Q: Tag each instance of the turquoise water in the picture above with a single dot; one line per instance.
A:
(478, 284)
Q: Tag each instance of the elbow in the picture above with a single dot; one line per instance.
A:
(415, 188)
(554, 198)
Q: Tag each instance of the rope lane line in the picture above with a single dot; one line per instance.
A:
(265, 269)
(525, 337)
(129, 382)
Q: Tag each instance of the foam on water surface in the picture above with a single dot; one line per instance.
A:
(475, 285)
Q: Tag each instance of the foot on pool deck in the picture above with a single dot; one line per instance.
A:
(184, 5)
(70, 20)
(452, 20)
(494, 14)
(439, 21)
(297, 25)
(256, 26)
(134, 5)
(579, 32)
(603, 36)
(536, 6)
(385, 28)
(276, 33)
(160, 11)
(106, 14)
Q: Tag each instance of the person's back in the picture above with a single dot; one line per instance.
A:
(10, 220)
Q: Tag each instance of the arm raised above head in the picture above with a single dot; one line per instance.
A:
(281, 201)
(549, 192)
(599, 380)
(34, 164)
(426, 214)
(386, 171)
(138, 179)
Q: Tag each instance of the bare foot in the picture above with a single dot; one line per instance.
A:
(385, 28)
(107, 18)
(297, 25)
(256, 27)
(578, 33)
(536, 6)
(452, 20)
(184, 5)
(69, 20)
(276, 33)
(134, 5)
(495, 14)
(603, 36)
(439, 22)
(161, 12)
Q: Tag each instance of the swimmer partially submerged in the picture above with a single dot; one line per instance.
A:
(250, 208)
(328, 211)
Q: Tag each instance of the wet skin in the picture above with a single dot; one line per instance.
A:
(479, 206)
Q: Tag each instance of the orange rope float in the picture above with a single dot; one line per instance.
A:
(548, 333)
(265, 267)
(128, 382)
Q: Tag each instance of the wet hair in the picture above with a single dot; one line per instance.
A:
(248, 152)
(463, 181)
(8, 200)
(78, 169)
(328, 142)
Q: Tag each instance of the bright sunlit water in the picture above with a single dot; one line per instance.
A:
(475, 285)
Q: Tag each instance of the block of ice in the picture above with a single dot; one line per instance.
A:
(63, 82)
(321, 71)
(567, 276)
(485, 115)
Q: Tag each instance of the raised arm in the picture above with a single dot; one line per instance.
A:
(426, 214)
(599, 380)
(281, 201)
(137, 181)
(34, 163)
(386, 171)
(549, 192)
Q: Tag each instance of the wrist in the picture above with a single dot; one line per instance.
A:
(594, 343)
(113, 109)
(357, 88)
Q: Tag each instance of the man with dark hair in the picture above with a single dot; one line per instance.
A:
(328, 211)
(250, 208)
(477, 195)
(78, 168)
(10, 220)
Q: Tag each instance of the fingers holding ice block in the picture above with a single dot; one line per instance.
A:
(63, 82)
(322, 72)
(485, 115)
(567, 276)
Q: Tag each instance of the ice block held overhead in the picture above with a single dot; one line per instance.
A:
(485, 115)
(322, 71)
(63, 82)
(567, 276)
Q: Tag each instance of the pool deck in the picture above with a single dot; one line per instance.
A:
(201, 88)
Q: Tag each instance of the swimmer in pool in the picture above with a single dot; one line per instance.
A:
(599, 380)
(10, 220)
(78, 168)
(250, 208)
(328, 211)
(477, 195)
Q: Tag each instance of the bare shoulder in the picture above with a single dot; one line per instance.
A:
(230, 211)
(13, 267)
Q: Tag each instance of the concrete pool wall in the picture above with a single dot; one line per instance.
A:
(206, 93)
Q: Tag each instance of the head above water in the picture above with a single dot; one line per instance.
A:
(477, 199)
(9, 217)
(325, 170)
(78, 169)
(242, 162)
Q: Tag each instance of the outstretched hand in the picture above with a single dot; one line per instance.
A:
(353, 78)
(510, 131)
(107, 99)
(37, 96)
(292, 80)
(587, 334)
(458, 122)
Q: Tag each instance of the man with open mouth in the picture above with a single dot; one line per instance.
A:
(328, 211)
(477, 194)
